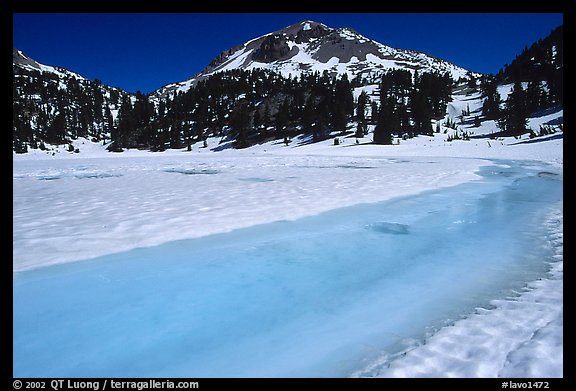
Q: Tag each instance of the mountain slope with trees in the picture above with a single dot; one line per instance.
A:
(537, 78)
(54, 106)
(251, 104)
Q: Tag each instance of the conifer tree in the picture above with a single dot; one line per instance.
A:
(126, 125)
(491, 105)
(361, 114)
(535, 97)
(382, 132)
(282, 118)
(514, 119)
(55, 133)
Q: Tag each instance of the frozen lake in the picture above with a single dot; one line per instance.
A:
(320, 296)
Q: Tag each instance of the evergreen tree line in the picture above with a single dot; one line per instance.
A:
(52, 109)
(542, 61)
(246, 107)
(524, 99)
(537, 78)
(408, 104)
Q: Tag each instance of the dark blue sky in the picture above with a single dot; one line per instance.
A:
(146, 51)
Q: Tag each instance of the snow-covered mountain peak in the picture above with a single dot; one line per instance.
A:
(309, 46)
(305, 31)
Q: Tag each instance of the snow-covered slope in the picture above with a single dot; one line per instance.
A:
(309, 46)
(21, 60)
